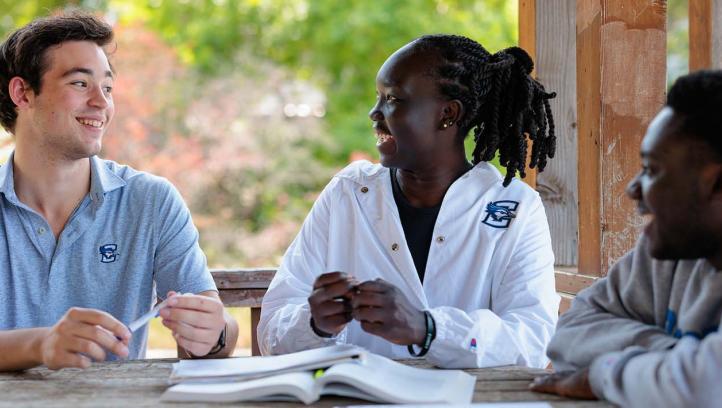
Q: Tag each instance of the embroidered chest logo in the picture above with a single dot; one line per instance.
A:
(500, 213)
(108, 253)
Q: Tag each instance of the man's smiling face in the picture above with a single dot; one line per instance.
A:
(72, 111)
(669, 191)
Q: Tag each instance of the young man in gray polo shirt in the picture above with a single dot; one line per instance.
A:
(86, 243)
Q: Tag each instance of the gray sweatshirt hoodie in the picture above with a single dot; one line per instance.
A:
(649, 332)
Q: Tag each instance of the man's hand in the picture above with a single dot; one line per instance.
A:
(330, 301)
(570, 384)
(81, 335)
(195, 320)
(384, 311)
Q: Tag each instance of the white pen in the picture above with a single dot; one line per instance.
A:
(148, 316)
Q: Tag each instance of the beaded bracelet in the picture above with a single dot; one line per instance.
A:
(430, 336)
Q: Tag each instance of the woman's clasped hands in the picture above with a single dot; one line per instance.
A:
(380, 307)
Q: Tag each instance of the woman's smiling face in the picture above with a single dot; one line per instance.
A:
(409, 110)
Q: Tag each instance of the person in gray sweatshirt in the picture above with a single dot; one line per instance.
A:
(648, 334)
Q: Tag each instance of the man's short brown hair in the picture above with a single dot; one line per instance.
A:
(23, 53)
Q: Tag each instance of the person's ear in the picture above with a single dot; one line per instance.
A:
(710, 179)
(21, 93)
(452, 113)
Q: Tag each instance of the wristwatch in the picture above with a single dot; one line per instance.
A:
(221, 342)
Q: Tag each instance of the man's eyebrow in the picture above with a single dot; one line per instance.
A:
(79, 70)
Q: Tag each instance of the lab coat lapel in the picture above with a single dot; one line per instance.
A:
(380, 208)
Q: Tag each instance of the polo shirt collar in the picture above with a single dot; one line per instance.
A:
(102, 180)
(7, 182)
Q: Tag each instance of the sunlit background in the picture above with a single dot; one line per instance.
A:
(250, 106)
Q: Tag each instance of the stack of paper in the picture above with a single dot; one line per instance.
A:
(227, 369)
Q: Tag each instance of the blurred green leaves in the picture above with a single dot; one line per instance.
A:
(337, 45)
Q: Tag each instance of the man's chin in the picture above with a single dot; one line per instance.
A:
(659, 250)
(665, 251)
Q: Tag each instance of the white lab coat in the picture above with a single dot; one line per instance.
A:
(490, 288)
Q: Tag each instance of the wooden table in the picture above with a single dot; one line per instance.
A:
(140, 383)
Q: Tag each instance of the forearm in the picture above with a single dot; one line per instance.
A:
(231, 336)
(600, 332)
(21, 349)
(484, 339)
(288, 329)
(687, 375)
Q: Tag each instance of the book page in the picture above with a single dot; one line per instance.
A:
(476, 405)
(394, 382)
(300, 386)
(250, 367)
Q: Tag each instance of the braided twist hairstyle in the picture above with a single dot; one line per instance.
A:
(503, 104)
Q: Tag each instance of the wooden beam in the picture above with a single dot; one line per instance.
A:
(571, 283)
(565, 302)
(245, 288)
(589, 107)
(705, 34)
(556, 66)
(250, 278)
(527, 41)
(621, 62)
(717, 34)
(700, 34)
(255, 319)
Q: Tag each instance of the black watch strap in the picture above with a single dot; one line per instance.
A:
(221, 342)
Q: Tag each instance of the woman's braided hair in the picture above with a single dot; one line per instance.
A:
(502, 103)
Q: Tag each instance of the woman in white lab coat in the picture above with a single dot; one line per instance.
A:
(427, 253)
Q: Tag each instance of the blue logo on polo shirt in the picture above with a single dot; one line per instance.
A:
(500, 213)
(107, 253)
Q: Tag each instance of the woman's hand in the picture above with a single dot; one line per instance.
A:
(386, 312)
(330, 302)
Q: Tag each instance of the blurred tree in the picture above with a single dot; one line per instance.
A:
(677, 39)
(203, 89)
(17, 13)
(338, 45)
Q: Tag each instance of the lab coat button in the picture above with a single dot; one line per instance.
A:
(440, 239)
(394, 247)
(364, 189)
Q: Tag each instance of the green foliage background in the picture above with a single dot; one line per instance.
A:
(336, 44)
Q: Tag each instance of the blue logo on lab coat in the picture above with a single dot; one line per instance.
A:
(500, 213)
(107, 253)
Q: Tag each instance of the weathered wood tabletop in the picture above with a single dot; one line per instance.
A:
(140, 383)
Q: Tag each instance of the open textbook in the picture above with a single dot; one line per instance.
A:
(373, 378)
(226, 369)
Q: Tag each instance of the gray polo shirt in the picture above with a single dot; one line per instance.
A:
(130, 238)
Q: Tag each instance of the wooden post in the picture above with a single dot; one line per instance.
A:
(527, 41)
(700, 34)
(255, 319)
(717, 34)
(705, 34)
(556, 67)
(621, 68)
